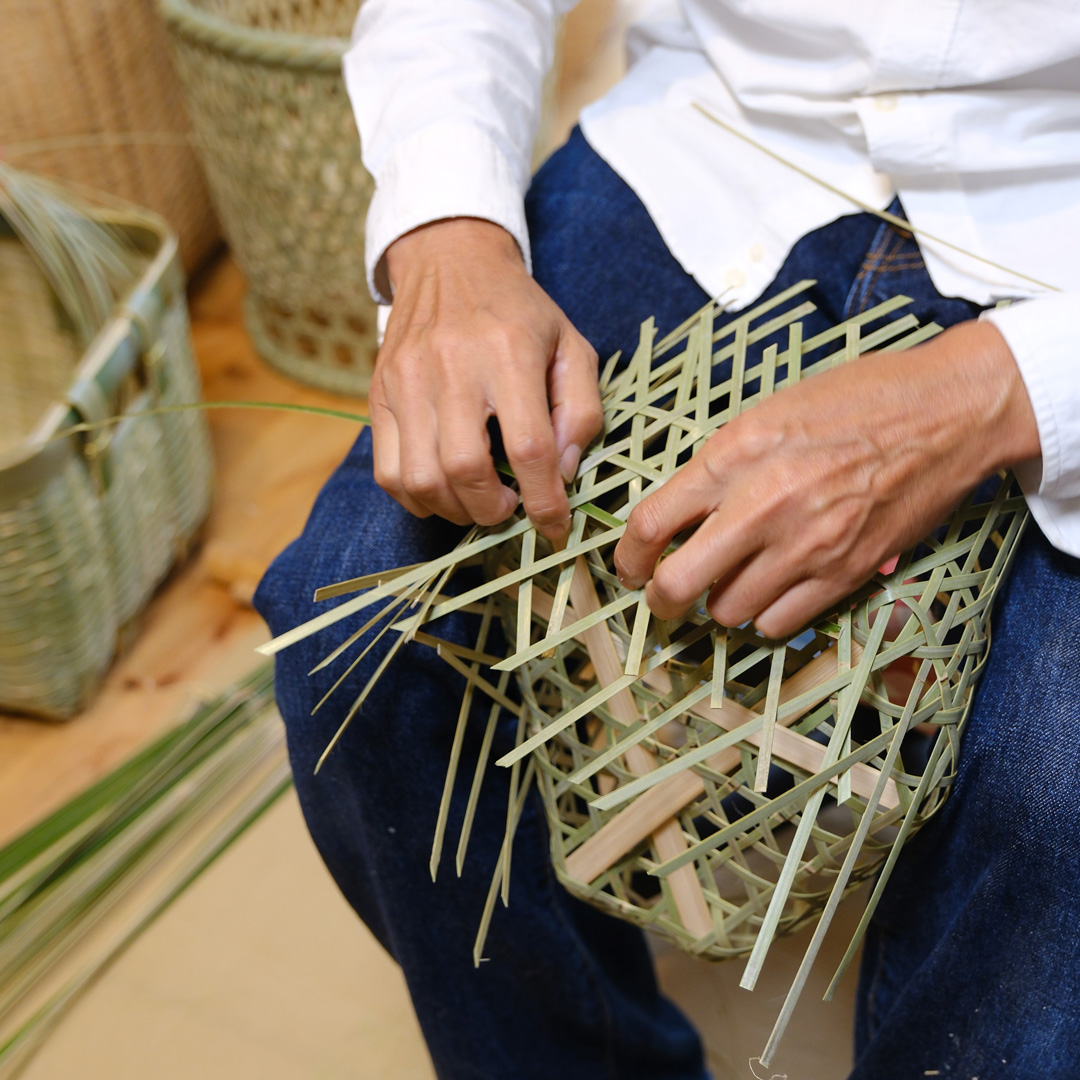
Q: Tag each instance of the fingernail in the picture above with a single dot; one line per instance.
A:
(568, 463)
(558, 534)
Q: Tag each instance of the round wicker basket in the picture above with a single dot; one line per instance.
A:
(88, 95)
(282, 154)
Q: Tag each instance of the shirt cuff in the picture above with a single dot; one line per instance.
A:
(442, 171)
(1041, 334)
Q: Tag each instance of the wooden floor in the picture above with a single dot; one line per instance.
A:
(199, 632)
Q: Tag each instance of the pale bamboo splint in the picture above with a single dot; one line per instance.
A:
(667, 835)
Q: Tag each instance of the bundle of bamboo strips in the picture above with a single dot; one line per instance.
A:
(79, 887)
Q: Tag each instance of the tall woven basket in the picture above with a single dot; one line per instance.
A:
(88, 94)
(90, 523)
(266, 96)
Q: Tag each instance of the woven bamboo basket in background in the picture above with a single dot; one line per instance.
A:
(268, 102)
(89, 524)
(91, 82)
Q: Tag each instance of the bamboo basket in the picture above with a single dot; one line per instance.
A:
(266, 96)
(702, 781)
(89, 525)
(88, 95)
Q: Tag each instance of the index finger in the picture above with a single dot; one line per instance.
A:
(529, 441)
(684, 500)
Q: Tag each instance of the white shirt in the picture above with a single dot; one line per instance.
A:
(969, 110)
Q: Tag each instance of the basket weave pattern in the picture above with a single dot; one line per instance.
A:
(704, 781)
(94, 73)
(282, 153)
(90, 525)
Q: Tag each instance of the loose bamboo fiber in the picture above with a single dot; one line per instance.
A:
(266, 95)
(93, 323)
(81, 885)
(714, 786)
(79, 76)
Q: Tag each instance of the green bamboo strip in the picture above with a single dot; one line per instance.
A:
(768, 719)
(720, 644)
(848, 702)
(844, 876)
(478, 776)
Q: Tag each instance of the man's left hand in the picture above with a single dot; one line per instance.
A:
(800, 499)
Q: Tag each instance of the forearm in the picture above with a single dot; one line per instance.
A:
(447, 99)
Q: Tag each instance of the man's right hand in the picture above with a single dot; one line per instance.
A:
(472, 336)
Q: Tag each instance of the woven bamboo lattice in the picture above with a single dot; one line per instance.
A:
(93, 323)
(279, 142)
(703, 781)
(78, 79)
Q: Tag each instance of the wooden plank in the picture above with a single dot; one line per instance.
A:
(667, 835)
(630, 826)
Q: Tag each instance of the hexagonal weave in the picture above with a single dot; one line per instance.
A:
(700, 780)
(279, 143)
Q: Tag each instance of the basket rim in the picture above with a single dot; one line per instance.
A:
(270, 47)
(37, 458)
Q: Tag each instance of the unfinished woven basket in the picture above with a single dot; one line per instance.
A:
(700, 780)
(89, 524)
(88, 94)
(267, 98)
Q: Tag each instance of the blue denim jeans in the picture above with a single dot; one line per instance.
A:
(971, 965)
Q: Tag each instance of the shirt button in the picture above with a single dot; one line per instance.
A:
(885, 103)
(734, 278)
(757, 253)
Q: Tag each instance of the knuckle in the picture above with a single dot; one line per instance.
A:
(671, 586)
(530, 448)
(544, 512)
(421, 483)
(645, 524)
(387, 477)
(753, 437)
(591, 416)
(447, 344)
(467, 466)
(513, 338)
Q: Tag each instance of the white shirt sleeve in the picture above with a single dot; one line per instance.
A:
(446, 95)
(1042, 334)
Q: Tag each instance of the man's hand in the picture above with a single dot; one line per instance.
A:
(472, 336)
(799, 499)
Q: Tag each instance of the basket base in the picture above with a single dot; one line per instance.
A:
(342, 362)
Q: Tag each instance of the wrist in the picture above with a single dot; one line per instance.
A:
(1011, 432)
(451, 240)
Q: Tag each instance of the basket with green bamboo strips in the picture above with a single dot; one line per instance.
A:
(93, 323)
(700, 780)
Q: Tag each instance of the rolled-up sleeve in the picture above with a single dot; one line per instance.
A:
(447, 99)
(1044, 336)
